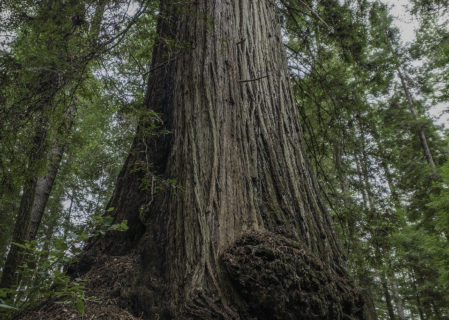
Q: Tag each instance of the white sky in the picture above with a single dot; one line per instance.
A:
(402, 19)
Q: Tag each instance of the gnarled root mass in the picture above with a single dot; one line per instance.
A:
(264, 275)
(277, 278)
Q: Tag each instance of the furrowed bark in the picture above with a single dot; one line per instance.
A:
(241, 198)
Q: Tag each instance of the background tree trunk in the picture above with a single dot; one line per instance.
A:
(397, 300)
(22, 224)
(43, 189)
(45, 183)
(246, 233)
(420, 128)
(387, 298)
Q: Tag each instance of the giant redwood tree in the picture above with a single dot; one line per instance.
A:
(225, 220)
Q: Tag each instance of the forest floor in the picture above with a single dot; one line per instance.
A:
(102, 292)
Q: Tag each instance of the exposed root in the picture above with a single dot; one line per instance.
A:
(204, 307)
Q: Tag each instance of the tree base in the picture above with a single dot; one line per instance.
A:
(265, 276)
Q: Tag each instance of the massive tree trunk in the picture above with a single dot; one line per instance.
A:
(224, 213)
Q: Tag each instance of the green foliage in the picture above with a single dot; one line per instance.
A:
(440, 222)
(53, 78)
(365, 148)
(43, 264)
(3, 305)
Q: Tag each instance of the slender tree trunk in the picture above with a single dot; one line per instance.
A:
(36, 193)
(387, 298)
(46, 182)
(6, 220)
(38, 270)
(342, 174)
(421, 133)
(397, 300)
(342, 178)
(418, 300)
(389, 177)
(361, 182)
(365, 167)
(247, 209)
(68, 217)
(21, 227)
(383, 157)
(44, 186)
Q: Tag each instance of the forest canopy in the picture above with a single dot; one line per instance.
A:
(116, 122)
